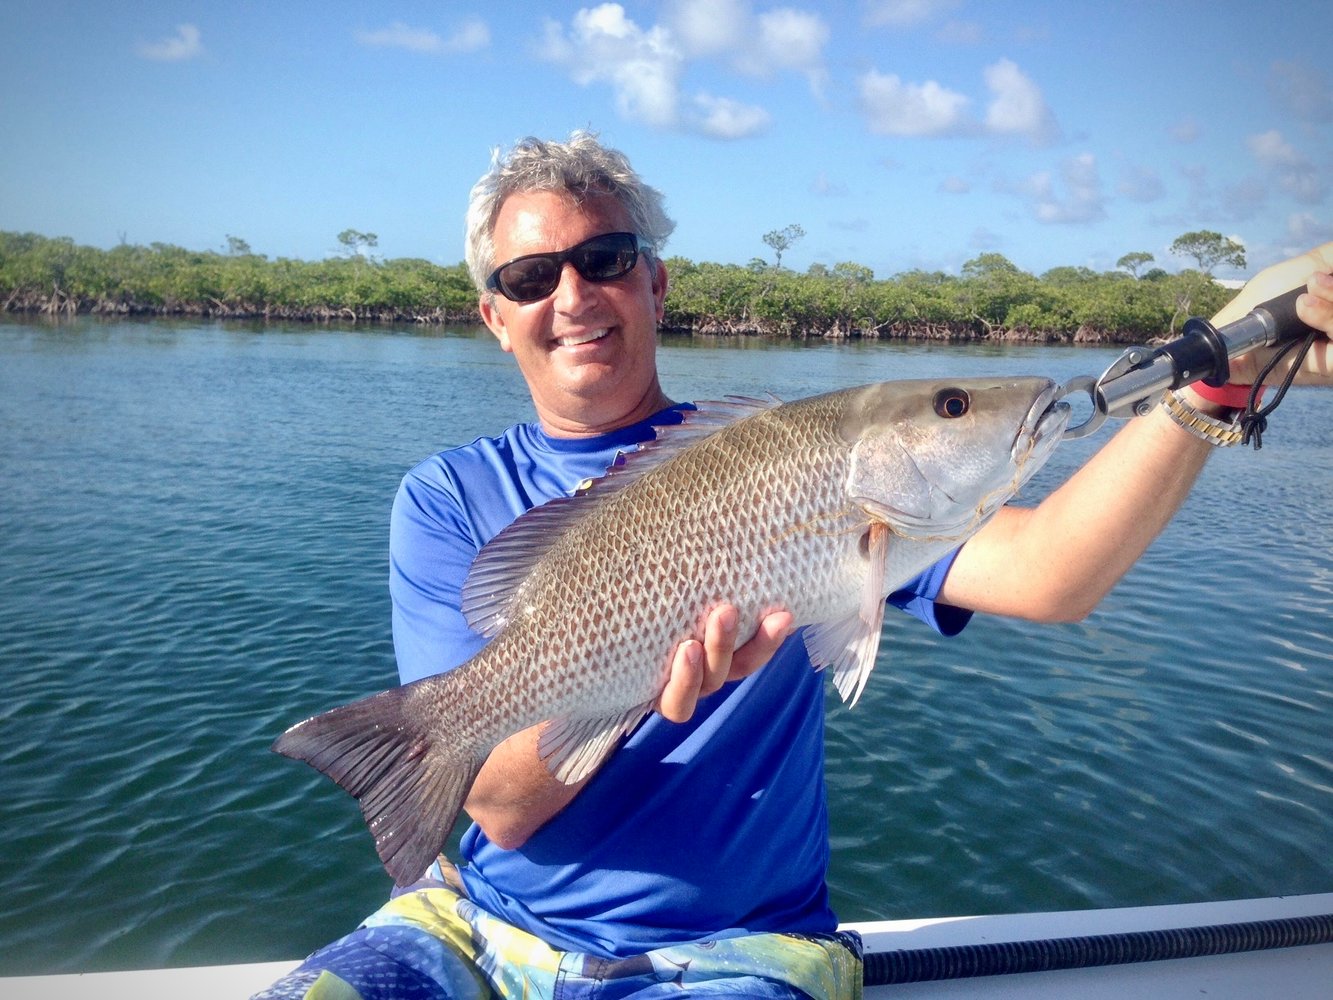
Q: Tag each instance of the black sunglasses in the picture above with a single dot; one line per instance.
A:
(536, 275)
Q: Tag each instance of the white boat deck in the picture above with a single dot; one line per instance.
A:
(1299, 973)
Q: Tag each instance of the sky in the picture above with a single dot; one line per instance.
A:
(898, 134)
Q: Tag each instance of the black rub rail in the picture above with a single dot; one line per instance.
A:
(919, 965)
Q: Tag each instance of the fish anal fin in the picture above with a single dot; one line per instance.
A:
(573, 748)
(849, 646)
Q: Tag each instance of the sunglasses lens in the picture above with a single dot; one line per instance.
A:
(606, 258)
(530, 278)
(536, 276)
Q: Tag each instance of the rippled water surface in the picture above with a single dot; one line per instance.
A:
(193, 527)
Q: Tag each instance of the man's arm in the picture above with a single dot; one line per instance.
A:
(1056, 561)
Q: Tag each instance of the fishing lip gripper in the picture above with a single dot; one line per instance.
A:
(1136, 381)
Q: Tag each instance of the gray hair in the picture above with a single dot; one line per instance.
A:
(581, 168)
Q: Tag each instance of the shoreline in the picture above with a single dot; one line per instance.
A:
(960, 332)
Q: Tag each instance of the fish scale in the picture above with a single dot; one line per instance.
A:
(820, 506)
(713, 545)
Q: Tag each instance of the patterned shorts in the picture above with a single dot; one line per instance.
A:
(431, 944)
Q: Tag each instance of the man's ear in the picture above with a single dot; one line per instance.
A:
(660, 284)
(490, 315)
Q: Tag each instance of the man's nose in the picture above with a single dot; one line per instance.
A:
(574, 292)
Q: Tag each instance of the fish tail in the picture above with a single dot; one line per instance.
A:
(411, 788)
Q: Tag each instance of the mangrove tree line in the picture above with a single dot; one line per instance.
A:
(991, 298)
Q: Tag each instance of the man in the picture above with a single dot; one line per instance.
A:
(695, 857)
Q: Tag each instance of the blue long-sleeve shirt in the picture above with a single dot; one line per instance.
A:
(704, 829)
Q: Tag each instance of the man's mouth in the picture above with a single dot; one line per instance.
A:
(574, 340)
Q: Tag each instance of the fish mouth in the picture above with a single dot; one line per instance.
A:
(1043, 428)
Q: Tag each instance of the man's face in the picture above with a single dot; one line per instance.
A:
(587, 350)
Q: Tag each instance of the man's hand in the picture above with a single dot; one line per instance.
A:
(700, 668)
(1315, 308)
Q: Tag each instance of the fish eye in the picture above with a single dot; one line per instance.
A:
(952, 402)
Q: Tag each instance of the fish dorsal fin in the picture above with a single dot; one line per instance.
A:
(713, 414)
(707, 418)
(850, 645)
(509, 557)
(574, 748)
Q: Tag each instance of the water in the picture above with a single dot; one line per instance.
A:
(193, 523)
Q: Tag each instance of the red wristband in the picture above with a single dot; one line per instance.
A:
(1233, 395)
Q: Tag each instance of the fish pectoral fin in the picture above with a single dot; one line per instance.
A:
(574, 748)
(850, 646)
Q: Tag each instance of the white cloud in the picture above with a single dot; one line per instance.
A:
(724, 118)
(1244, 199)
(642, 67)
(1295, 173)
(861, 225)
(955, 185)
(792, 39)
(826, 188)
(1017, 107)
(1186, 131)
(186, 44)
(1302, 91)
(1081, 200)
(1140, 184)
(909, 109)
(645, 67)
(961, 33)
(782, 39)
(905, 13)
(471, 36)
(1271, 150)
(787, 40)
(708, 27)
(983, 239)
(893, 106)
(1304, 230)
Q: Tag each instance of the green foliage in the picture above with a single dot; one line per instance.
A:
(992, 297)
(1209, 249)
(849, 271)
(780, 240)
(1131, 262)
(355, 243)
(990, 265)
(54, 275)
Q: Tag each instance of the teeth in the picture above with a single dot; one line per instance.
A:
(582, 338)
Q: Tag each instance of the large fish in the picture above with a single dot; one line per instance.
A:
(822, 506)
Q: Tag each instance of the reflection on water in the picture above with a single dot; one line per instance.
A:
(193, 557)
